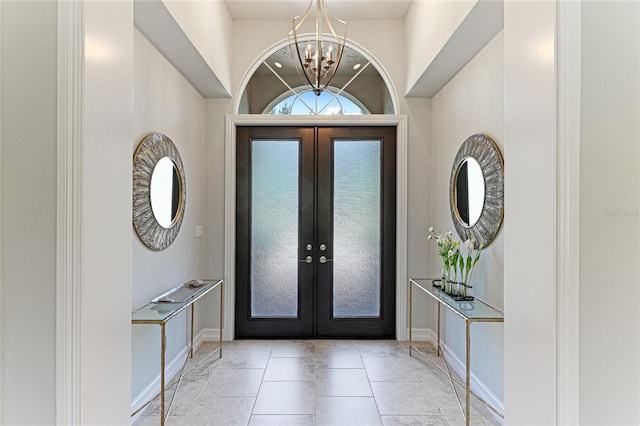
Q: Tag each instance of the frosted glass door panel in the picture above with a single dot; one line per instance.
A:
(274, 228)
(356, 228)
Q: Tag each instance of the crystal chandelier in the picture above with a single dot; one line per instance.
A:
(318, 62)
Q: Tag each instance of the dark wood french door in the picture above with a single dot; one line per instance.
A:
(315, 232)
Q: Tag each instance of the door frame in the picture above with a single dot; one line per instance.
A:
(234, 120)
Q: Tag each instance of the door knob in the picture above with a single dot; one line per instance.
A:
(323, 259)
(308, 259)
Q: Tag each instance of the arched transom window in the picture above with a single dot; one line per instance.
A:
(276, 88)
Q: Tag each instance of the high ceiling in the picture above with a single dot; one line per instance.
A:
(343, 9)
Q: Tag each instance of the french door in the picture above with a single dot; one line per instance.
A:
(315, 232)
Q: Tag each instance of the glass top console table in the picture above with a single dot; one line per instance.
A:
(469, 311)
(160, 313)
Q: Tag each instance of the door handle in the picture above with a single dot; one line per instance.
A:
(307, 259)
(323, 260)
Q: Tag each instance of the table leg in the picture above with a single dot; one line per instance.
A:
(221, 316)
(193, 306)
(468, 372)
(162, 378)
(410, 316)
(438, 352)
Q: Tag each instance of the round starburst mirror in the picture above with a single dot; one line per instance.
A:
(159, 191)
(476, 190)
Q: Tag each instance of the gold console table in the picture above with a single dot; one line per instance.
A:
(469, 311)
(160, 313)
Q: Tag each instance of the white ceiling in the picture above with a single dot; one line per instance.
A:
(343, 9)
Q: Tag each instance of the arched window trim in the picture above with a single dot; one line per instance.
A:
(393, 93)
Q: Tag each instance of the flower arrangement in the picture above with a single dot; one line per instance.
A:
(452, 258)
(449, 250)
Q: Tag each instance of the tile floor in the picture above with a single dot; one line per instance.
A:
(315, 382)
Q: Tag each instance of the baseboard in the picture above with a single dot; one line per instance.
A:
(206, 335)
(423, 335)
(153, 389)
(458, 366)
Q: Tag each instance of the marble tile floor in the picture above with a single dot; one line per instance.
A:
(315, 382)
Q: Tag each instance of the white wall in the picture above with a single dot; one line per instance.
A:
(530, 212)
(418, 192)
(208, 26)
(472, 102)
(429, 26)
(165, 102)
(609, 218)
(29, 95)
(107, 231)
(213, 266)
(214, 196)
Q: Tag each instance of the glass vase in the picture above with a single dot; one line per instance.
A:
(444, 277)
(455, 285)
(466, 285)
(448, 284)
